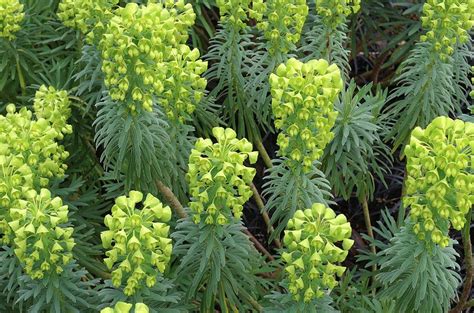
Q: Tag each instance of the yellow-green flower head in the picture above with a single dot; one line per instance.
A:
(11, 16)
(313, 238)
(335, 12)
(54, 106)
(123, 307)
(235, 12)
(447, 23)
(184, 87)
(303, 96)
(28, 147)
(86, 15)
(281, 22)
(42, 244)
(138, 241)
(218, 179)
(440, 180)
(144, 55)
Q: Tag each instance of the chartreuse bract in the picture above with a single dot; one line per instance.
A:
(87, 16)
(303, 96)
(11, 16)
(439, 193)
(218, 179)
(137, 241)
(311, 261)
(440, 183)
(433, 79)
(222, 253)
(124, 307)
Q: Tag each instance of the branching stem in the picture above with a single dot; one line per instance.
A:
(266, 218)
(368, 225)
(466, 238)
(263, 153)
(172, 199)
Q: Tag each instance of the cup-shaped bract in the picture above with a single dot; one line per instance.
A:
(29, 153)
(236, 12)
(54, 106)
(447, 23)
(303, 96)
(334, 12)
(124, 307)
(316, 241)
(137, 239)
(145, 58)
(11, 16)
(439, 186)
(281, 22)
(218, 179)
(87, 16)
(41, 242)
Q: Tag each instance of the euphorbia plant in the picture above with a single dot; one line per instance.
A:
(312, 239)
(303, 96)
(217, 259)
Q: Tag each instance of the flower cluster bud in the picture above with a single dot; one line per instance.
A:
(87, 16)
(316, 240)
(145, 56)
(281, 22)
(334, 12)
(447, 23)
(303, 96)
(54, 106)
(42, 244)
(138, 241)
(235, 12)
(440, 182)
(11, 16)
(29, 153)
(124, 307)
(218, 179)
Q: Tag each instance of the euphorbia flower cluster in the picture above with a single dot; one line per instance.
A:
(281, 22)
(87, 16)
(303, 105)
(123, 307)
(138, 241)
(145, 56)
(312, 237)
(236, 12)
(11, 16)
(29, 153)
(440, 181)
(41, 243)
(218, 179)
(335, 12)
(447, 23)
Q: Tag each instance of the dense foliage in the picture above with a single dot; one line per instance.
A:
(233, 155)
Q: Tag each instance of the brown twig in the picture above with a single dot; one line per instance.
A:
(258, 245)
(171, 199)
(466, 237)
(266, 218)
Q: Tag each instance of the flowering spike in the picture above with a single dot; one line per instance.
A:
(220, 187)
(439, 184)
(138, 242)
(310, 238)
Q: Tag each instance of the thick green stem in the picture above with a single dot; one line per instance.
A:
(368, 225)
(20, 76)
(466, 238)
(265, 216)
(171, 199)
(263, 153)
